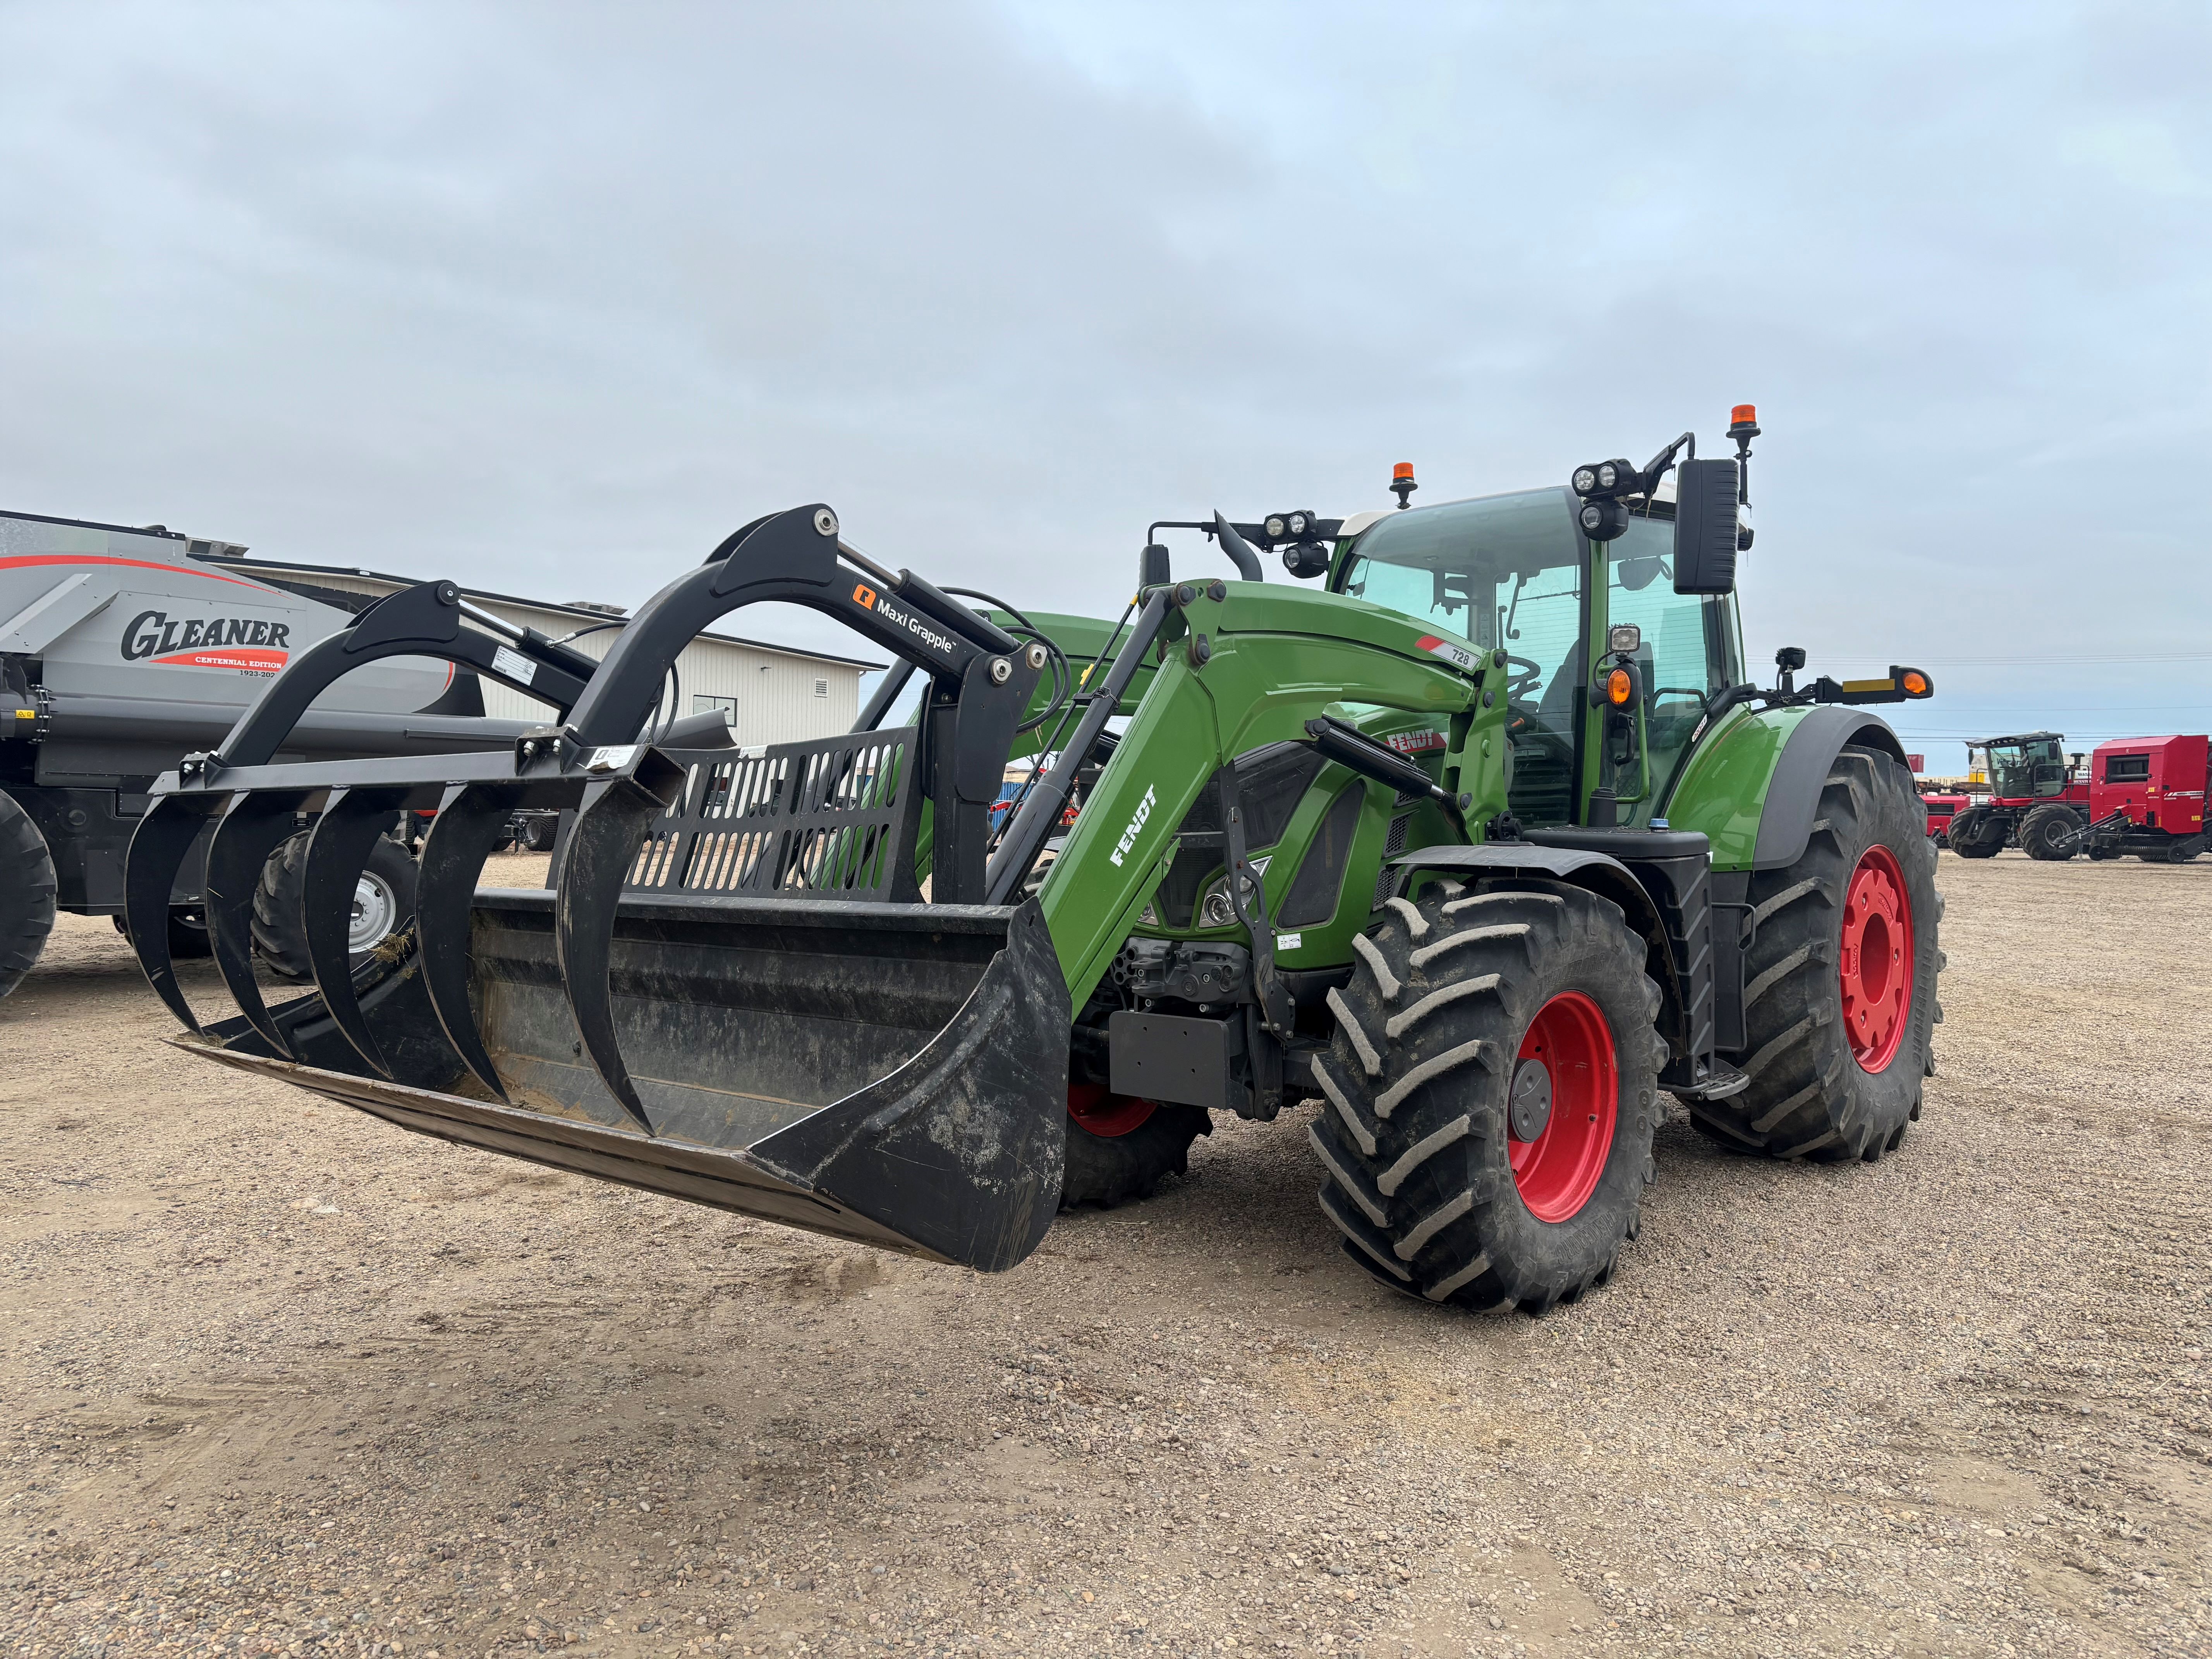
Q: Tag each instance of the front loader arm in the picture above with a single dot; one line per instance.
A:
(1272, 659)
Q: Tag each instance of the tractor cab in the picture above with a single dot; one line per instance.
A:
(2030, 766)
(1516, 573)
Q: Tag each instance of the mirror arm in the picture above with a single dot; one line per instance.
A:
(1655, 468)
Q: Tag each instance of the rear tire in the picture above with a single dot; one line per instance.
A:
(28, 888)
(280, 939)
(2042, 830)
(1473, 1020)
(537, 833)
(1107, 1169)
(1831, 952)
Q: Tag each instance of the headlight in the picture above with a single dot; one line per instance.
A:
(1602, 519)
(1276, 527)
(1609, 475)
(1585, 480)
(1298, 522)
(1217, 911)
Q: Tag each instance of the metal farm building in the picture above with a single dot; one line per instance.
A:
(774, 692)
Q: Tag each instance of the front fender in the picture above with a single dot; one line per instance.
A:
(1753, 786)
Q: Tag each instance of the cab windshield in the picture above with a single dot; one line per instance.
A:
(2028, 767)
(1509, 570)
(1504, 570)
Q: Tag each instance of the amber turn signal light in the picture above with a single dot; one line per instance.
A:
(1914, 683)
(1620, 687)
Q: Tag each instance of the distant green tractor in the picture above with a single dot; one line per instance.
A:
(1485, 844)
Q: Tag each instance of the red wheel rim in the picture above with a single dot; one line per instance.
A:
(1567, 1058)
(1874, 965)
(1104, 1113)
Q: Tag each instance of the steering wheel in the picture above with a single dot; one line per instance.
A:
(1524, 679)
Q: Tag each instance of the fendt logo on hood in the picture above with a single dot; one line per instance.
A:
(251, 645)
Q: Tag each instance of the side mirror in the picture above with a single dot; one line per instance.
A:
(1152, 567)
(1706, 526)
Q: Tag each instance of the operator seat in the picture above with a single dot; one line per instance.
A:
(1542, 788)
(1555, 710)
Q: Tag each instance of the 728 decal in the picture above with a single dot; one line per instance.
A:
(1457, 655)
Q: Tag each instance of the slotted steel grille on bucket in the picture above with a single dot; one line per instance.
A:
(828, 816)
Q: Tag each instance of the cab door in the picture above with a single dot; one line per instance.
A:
(1690, 652)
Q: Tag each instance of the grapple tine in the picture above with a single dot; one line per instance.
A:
(337, 853)
(601, 847)
(254, 826)
(159, 847)
(472, 821)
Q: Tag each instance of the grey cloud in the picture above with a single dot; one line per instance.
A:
(554, 296)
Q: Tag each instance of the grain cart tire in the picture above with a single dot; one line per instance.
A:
(1491, 1095)
(27, 889)
(188, 933)
(384, 903)
(2047, 833)
(1976, 835)
(1840, 981)
(1119, 1147)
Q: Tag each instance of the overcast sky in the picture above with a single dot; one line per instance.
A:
(551, 298)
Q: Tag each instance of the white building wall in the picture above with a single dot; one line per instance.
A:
(781, 696)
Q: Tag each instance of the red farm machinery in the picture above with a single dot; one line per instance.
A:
(2140, 796)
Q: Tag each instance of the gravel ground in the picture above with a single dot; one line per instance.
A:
(275, 1377)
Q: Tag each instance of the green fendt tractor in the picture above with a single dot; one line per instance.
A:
(1483, 844)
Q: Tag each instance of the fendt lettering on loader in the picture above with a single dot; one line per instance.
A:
(1482, 844)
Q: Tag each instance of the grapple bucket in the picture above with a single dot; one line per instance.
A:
(734, 991)
(891, 1073)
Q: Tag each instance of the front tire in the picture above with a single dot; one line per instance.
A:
(28, 889)
(1976, 836)
(1492, 1095)
(1120, 1148)
(1840, 979)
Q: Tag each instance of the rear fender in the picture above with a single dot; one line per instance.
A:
(1753, 787)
